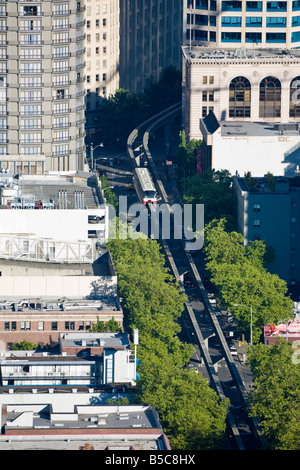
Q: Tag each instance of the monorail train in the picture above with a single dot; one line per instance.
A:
(144, 186)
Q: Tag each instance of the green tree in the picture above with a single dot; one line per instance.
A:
(186, 155)
(275, 397)
(240, 278)
(120, 114)
(165, 92)
(24, 345)
(190, 411)
(214, 190)
(111, 326)
(109, 195)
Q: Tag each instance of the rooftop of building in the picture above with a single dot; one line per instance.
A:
(268, 184)
(258, 129)
(237, 53)
(235, 128)
(59, 190)
(107, 303)
(82, 420)
(103, 340)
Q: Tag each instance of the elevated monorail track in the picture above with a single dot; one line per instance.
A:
(244, 429)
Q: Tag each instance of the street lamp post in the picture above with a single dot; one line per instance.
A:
(92, 153)
(250, 308)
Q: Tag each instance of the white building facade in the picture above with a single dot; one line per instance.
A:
(253, 87)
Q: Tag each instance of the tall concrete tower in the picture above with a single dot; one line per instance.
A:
(42, 85)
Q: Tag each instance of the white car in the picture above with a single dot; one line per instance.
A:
(218, 314)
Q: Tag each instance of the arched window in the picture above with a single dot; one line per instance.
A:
(239, 97)
(270, 98)
(295, 97)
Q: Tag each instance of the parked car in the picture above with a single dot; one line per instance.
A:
(233, 350)
(218, 314)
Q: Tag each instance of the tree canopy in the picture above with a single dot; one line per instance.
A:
(123, 111)
(239, 275)
(186, 155)
(191, 413)
(275, 397)
(213, 189)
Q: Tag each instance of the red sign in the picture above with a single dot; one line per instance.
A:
(199, 161)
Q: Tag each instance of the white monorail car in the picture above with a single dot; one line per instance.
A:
(144, 186)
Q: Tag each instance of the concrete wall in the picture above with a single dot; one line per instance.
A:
(58, 224)
(57, 286)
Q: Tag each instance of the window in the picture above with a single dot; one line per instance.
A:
(253, 21)
(227, 36)
(6, 326)
(61, 108)
(253, 6)
(231, 6)
(52, 248)
(61, 23)
(276, 22)
(256, 207)
(232, 21)
(204, 95)
(204, 80)
(61, 136)
(255, 38)
(276, 37)
(40, 326)
(62, 121)
(295, 97)
(31, 10)
(276, 6)
(61, 52)
(239, 97)
(54, 326)
(27, 110)
(270, 98)
(69, 325)
(61, 9)
(256, 223)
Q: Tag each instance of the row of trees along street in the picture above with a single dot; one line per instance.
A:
(191, 413)
(239, 276)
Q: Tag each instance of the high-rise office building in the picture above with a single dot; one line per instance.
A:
(102, 50)
(151, 39)
(242, 23)
(42, 85)
(241, 61)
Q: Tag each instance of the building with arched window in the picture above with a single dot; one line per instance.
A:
(240, 97)
(240, 60)
(240, 85)
(270, 98)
